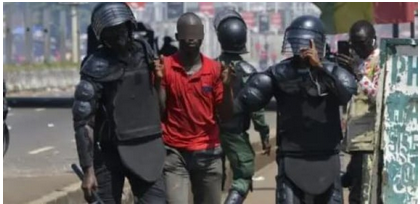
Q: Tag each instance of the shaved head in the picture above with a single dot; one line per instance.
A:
(189, 18)
(189, 26)
(363, 38)
(361, 30)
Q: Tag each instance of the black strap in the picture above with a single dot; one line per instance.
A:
(149, 53)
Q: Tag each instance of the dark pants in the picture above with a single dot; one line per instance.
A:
(202, 170)
(288, 193)
(111, 173)
(353, 177)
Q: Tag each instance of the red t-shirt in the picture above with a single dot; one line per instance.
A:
(191, 105)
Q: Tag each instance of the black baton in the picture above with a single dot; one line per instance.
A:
(80, 174)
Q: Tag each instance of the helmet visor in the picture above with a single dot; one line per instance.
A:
(298, 39)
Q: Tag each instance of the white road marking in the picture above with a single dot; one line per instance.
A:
(259, 178)
(39, 109)
(43, 149)
(10, 127)
(10, 114)
(73, 140)
(50, 125)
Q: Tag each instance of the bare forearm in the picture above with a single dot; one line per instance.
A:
(225, 109)
(84, 144)
(162, 99)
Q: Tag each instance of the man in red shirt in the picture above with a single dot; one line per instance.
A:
(195, 91)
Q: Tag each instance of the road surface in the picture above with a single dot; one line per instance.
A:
(40, 153)
(42, 147)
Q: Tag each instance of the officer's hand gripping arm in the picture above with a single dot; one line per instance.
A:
(84, 108)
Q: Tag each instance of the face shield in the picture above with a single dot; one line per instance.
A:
(296, 39)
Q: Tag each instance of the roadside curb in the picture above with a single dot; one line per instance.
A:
(72, 194)
(40, 102)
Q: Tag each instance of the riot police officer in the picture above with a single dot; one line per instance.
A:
(308, 91)
(232, 35)
(116, 112)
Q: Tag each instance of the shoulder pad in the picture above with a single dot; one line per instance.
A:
(283, 71)
(260, 80)
(256, 94)
(329, 66)
(100, 67)
(246, 68)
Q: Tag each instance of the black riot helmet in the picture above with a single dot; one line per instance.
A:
(300, 32)
(109, 14)
(231, 32)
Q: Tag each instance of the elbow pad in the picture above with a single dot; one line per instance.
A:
(84, 98)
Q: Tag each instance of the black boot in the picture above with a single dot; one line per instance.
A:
(234, 198)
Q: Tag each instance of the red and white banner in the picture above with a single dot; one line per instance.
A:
(207, 8)
(249, 18)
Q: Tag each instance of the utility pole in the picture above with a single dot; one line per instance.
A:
(9, 35)
(63, 31)
(47, 33)
(74, 33)
(185, 7)
(28, 33)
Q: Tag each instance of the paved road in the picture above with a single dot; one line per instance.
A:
(41, 150)
(40, 153)
(41, 142)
